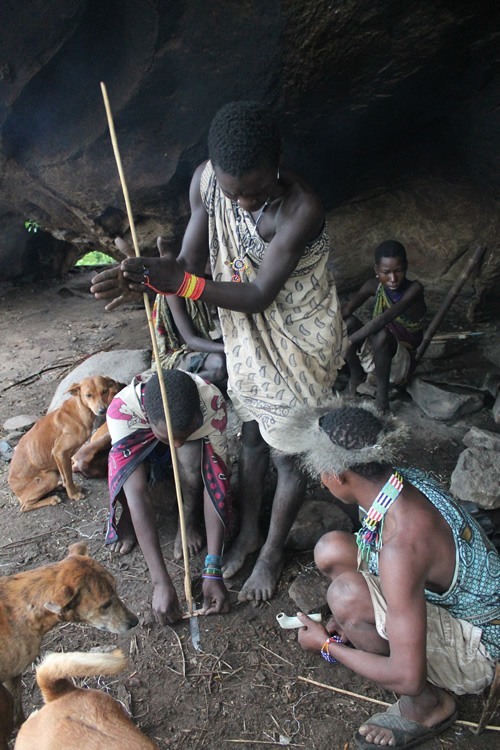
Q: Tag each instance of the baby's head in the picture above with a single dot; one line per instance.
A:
(391, 264)
(183, 404)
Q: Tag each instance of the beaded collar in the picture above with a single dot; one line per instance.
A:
(369, 537)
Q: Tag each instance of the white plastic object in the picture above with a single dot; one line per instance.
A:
(288, 623)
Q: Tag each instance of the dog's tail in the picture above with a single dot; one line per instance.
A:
(53, 673)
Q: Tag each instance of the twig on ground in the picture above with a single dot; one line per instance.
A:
(181, 650)
(29, 378)
(29, 539)
(382, 703)
(276, 655)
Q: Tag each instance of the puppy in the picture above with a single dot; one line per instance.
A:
(42, 459)
(75, 718)
(77, 589)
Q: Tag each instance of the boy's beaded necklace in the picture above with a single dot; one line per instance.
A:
(369, 537)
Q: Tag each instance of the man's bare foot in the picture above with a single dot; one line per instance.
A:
(194, 541)
(126, 536)
(430, 709)
(262, 583)
(235, 558)
(354, 381)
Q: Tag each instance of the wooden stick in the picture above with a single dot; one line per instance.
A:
(448, 301)
(383, 703)
(182, 524)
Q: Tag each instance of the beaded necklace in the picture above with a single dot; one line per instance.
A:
(238, 265)
(369, 537)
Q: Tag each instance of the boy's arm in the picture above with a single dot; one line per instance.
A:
(412, 295)
(405, 670)
(187, 331)
(356, 299)
(165, 602)
(215, 598)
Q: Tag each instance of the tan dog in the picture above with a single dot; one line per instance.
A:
(42, 459)
(77, 589)
(75, 718)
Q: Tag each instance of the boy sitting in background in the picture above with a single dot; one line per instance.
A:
(390, 340)
(138, 431)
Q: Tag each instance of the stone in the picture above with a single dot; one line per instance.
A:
(314, 519)
(476, 478)
(22, 422)
(496, 409)
(119, 364)
(482, 439)
(441, 404)
(400, 84)
(14, 437)
(308, 591)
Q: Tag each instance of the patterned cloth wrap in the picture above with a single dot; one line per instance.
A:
(171, 349)
(133, 441)
(288, 355)
(474, 594)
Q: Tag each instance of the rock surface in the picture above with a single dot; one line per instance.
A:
(120, 364)
(442, 404)
(388, 110)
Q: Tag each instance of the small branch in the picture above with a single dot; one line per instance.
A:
(382, 703)
(29, 378)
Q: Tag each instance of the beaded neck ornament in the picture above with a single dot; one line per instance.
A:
(369, 537)
(238, 265)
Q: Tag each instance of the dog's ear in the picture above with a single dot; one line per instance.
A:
(63, 597)
(114, 384)
(78, 548)
(74, 389)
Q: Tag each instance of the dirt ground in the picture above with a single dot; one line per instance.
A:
(244, 688)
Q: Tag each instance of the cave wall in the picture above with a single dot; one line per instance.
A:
(388, 108)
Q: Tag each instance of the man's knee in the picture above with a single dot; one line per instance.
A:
(348, 598)
(334, 549)
(383, 342)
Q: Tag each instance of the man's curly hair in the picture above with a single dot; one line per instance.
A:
(341, 435)
(351, 428)
(243, 136)
(182, 396)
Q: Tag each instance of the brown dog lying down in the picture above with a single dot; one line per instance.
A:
(77, 589)
(75, 718)
(42, 459)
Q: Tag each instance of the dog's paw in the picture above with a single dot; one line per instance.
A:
(78, 495)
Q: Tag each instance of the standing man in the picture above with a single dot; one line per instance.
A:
(263, 229)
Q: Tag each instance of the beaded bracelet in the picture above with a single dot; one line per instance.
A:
(192, 286)
(213, 561)
(213, 573)
(325, 649)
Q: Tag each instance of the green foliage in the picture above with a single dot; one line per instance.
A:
(95, 258)
(31, 226)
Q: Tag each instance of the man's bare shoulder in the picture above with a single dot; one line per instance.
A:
(300, 205)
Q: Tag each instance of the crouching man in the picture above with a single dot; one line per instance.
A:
(414, 595)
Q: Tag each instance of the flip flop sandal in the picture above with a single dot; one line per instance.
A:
(407, 733)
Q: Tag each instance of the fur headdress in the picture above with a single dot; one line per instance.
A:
(320, 455)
